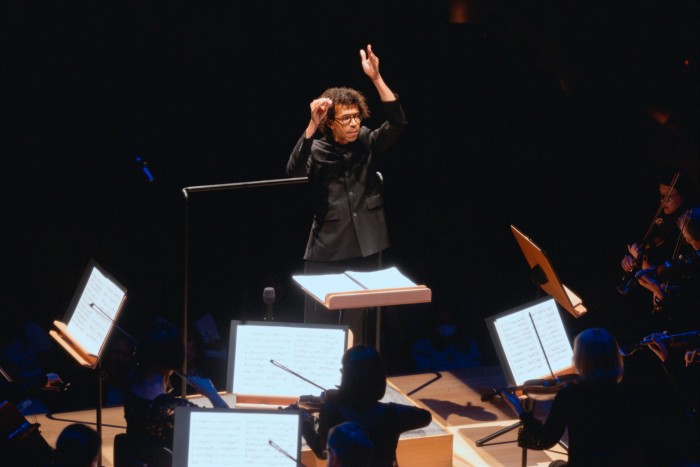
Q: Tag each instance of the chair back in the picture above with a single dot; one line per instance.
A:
(131, 451)
(21, 442)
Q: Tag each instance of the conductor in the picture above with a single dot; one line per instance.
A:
(341, 157)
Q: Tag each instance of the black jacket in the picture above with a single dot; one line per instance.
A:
(349, 218)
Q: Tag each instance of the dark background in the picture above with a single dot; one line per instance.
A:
(553, 116)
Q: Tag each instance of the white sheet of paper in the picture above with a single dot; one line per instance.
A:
(389, 278)
(314, 353)
(96, 309)
(237, 438)
(522, 348)
(323, 284)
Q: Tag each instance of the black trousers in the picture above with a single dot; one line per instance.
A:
(315, 313)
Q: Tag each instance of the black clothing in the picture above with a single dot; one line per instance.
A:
(152, 419)
(382, 422)
(15, 391)
(603, 423)
(349, 216)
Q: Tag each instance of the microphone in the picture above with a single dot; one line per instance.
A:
(269, 299)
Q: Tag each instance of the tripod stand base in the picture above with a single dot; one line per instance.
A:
(486, 439)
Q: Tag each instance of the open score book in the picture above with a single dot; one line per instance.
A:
(90, 316)
(353, 289)
(517, 334)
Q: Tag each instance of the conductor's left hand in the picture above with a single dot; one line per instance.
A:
(370, 63)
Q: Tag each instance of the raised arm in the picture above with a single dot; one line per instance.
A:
(370, 65)
(319, 109)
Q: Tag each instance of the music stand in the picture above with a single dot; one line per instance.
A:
(87, 324)
(543, 274)
(313, 350)
(531, 343)
(245, 437)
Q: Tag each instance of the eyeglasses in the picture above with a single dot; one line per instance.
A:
(346, 119)
(668, 197)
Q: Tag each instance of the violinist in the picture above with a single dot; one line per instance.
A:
(675, 193)
(604, 422)
(149, 407)
(675, 284)
(357, 400)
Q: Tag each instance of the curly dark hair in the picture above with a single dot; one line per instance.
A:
(342, 96)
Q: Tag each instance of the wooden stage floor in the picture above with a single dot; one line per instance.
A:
(454, 399)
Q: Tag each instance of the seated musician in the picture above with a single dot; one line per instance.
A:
(348, 446)
(676, 285)
(602, 419)
(659, 244)
(357, 400)
(78, 445)
(149, 408)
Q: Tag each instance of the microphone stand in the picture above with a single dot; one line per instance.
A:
(269, 299)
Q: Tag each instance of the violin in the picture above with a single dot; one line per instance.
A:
(628, 350)
(534, 388)
(314, 403)
(682, 266)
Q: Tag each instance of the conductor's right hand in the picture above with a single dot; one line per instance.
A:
(319, 109)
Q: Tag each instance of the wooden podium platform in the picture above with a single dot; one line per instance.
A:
(454, 399)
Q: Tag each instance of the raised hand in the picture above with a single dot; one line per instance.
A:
(370, 63)
(319, 109)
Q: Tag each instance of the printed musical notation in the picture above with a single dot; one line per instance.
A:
(225, 438)
(314, 352)
(520, 335)
(95, 312)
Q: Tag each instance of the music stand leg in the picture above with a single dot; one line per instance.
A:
(378, 329)
(486, 439)
(98, 413)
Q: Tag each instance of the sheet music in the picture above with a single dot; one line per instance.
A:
(389, 278)
(522, 348)
(95, 311)
(314, 353)
(240, 438)
(324, 284)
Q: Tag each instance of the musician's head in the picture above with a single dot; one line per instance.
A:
(162, 350)
(348, 446)
(676, 190)
(78, 445)
(364, 379)
(337, 124)
(689, 224)
(597, 356)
